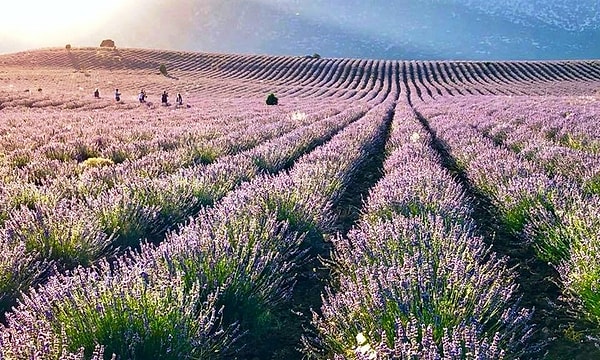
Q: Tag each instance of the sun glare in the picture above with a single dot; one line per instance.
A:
(40, 22)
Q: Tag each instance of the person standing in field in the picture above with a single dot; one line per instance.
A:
(96, 93)
(117, 95)
(165, 98)
(179, 99)
(142, 96)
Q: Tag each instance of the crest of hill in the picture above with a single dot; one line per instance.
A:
(424, 75)
(102, 58)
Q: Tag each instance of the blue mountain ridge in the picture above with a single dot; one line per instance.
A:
(396, 29)
(379, 29)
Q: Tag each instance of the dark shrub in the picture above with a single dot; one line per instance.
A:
(85, 151)
(107, 43)
(272, 99)
(163, 69)
(68, 47)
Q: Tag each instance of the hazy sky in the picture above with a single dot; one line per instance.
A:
(39, 23)
(426, 29)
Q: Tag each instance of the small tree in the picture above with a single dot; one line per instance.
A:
(107, 43)
(272, 99)
(68, 47)
(163, 69)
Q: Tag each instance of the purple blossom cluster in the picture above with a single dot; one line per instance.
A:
(415, 281)
(561, 135)
(515, 185)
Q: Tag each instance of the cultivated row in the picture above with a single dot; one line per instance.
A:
(414, 278)
(218, 283)
(539, 207)
(81, 228)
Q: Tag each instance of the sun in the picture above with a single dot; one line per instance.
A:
(43, 21)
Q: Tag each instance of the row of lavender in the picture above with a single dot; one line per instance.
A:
(563, 139)
(540, 172)
(223, 281)
(561, 134)
(415, 280)
(161, 155)
(41, 145)
(59, 228)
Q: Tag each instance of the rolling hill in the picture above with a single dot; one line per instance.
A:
(301, 76)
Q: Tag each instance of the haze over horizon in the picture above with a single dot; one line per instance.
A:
(394, 29)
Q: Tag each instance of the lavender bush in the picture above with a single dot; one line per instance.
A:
(414, 266)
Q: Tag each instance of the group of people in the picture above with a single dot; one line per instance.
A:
(164, 98)
(142, 97)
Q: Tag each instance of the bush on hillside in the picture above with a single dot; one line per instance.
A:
(272, 99)
(163, 70)
(313, 56)
(107, 43)
(68, 47)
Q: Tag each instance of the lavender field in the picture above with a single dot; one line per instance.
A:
(382, 210)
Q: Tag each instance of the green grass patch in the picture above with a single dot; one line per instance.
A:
(96, 162)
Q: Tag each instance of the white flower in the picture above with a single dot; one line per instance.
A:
(415, 137)
(364, 348)
(297, 116)
(361, 339)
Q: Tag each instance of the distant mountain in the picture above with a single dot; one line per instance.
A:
(582, 15)
(380, 29)
(386, 29)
